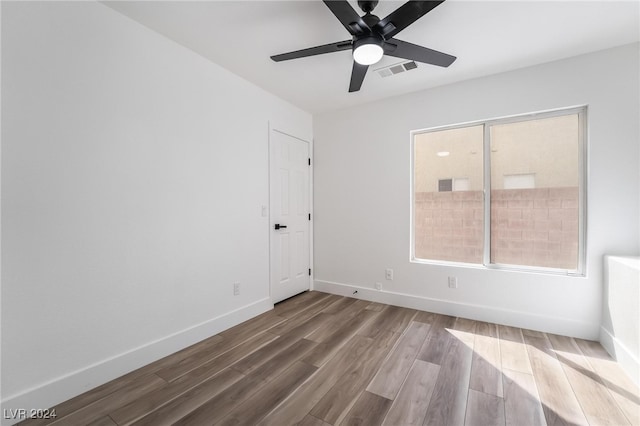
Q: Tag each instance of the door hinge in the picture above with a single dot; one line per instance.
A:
(309, 271)
(309, 161)
(309, 216)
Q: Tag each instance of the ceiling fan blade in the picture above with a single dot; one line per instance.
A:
(404, 50)
(404, 16)
(357, 76)
(312, 51)
(348, 16)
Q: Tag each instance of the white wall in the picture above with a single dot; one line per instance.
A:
(362, 194)
(133, 176)
(620, 331)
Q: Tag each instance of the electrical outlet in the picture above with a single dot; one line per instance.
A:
(378, 286)
(453, 282)
(388, 274)
(236, 289)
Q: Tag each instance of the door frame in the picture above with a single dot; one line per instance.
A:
(276, 128)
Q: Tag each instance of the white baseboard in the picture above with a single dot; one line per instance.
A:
(619, 351)
(63, 388)
(556, 325)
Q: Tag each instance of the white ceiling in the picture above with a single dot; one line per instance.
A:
(488, 37)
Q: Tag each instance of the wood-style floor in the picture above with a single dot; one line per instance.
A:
(320, 359)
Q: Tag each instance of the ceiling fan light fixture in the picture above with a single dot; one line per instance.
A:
(368, 50)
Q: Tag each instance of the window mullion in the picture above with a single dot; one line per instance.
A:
(486, 157)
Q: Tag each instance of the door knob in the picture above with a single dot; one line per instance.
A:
(278, 226)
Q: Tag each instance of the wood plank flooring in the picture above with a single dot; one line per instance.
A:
(319, 359)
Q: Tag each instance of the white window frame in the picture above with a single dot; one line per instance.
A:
(581, 112)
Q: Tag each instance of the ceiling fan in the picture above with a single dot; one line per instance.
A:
(374, 37)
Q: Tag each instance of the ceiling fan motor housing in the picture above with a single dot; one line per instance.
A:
(373, 38)
(370, 20)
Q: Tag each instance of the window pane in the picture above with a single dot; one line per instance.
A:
(534, 192)
(448, 183)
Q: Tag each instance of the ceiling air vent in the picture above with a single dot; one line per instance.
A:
(396, 68)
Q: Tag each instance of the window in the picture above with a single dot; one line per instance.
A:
(520, 181)
(445, 185)
(453, 184)
(518, 201)
(460, 184)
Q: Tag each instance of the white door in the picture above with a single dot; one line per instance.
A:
(289, 215)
